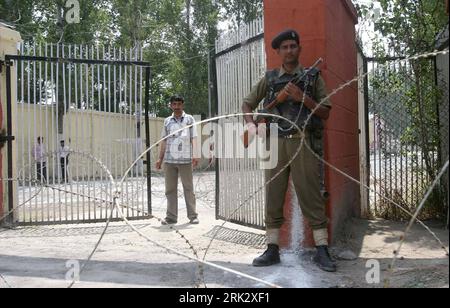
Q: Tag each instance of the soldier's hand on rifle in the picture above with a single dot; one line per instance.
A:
(295, 92)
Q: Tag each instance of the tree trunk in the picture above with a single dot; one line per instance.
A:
(423, 132)
(188, 15)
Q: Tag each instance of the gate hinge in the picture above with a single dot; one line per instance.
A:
(5, 138)
(4, 63)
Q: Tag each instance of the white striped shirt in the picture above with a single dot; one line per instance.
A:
(179, 145)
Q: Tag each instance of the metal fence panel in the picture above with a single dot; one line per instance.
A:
(240, 64)
(92, 97)
(405, 134)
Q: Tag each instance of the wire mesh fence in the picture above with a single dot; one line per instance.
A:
(408, 131)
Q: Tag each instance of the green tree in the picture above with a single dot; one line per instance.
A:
(241, 11)
(177, 37)
(408, 28)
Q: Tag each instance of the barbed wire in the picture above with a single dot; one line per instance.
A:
(49, 156)
(381, 196)
(414, 217)
(5, 281)
(408, 228)
(117, 194)
(340, 88)
(226, 219)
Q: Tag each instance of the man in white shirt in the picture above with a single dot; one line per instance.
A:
(63, 153)
(39, 156)
(177, 154)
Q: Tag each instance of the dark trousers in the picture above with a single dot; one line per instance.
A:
(42, 172)
(64, 163)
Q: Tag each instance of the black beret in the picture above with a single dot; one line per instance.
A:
(284, 36)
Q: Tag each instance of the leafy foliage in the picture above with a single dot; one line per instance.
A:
(177, 36)
(407, 97)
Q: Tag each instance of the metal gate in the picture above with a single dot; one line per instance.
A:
(240, 63)
(406, 133)
(96, 100)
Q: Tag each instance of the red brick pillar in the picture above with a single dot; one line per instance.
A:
(327, 30)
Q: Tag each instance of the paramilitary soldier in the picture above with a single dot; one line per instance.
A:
(304, 89)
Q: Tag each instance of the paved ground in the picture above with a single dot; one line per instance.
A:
(38, 256)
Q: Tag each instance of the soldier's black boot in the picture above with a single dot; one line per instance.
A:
(323, 259)
(270, 257)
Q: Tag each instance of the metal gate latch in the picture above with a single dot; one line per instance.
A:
(5, 138)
